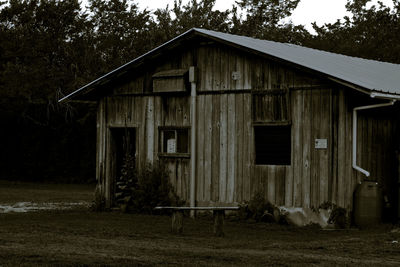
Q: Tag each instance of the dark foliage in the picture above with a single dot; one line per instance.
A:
(339, 217)
(258, 209)
(371, 33)
(140, 191)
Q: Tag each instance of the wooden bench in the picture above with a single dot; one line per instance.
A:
(218, 214)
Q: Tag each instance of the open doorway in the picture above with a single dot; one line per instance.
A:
(123, 159)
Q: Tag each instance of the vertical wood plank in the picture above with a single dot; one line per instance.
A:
(248, 151)
(101, 137)
(288, 200)
(232, 146)
(297, 155)
(179, 176)
(239, 153)
(370, 131)
(157, 123)
(186, 181)
(335, 122)
(378, 136)
(239, 67)
(280, 183)
(307, 145)
(316, 99)
(171, 167)
(224, 75)
(254, 69)
(208, 128)
(186, 111)
(223, 148)
(202, 68)
(149, 122)
(200, 149)
(215, 145)
(349, 176)
(271, 174)
(325, 160)
(211, 69)
(108, 157)
(140, 116)
(216, 70)
(247, 83)
(342, 140)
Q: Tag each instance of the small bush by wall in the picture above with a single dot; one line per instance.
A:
(139, 191)
(99, 201)
(258, 209)
(338, 216)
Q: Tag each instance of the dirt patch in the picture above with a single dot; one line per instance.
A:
(73, 237)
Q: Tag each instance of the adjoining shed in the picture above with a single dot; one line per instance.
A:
(233, 115)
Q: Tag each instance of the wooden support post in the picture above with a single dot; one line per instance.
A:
(177, 221)
(219, 216)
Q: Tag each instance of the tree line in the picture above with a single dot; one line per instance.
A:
(49, 48)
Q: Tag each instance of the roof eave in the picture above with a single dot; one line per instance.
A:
(371, 93)
(126, 65)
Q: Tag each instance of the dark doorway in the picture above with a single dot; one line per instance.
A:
(123, 151)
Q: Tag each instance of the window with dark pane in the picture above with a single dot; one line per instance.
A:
(169, 141)
(183, 141)
(175, 141)
(272, 145)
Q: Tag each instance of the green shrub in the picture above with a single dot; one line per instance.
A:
(144, 189)
(338, 216)
(99, 202)
(258, 208)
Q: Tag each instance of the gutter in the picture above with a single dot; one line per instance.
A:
(385, 96)
(373, 95)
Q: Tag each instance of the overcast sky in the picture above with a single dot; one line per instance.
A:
(308, 11)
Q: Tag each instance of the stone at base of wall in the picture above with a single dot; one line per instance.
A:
(306, 216)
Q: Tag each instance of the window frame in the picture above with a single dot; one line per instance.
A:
(161, 152)
(282, 124)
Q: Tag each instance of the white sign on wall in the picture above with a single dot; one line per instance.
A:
(321, 143)
(171, 146)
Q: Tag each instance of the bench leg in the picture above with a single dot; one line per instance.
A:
(219, 216)
(177, 221)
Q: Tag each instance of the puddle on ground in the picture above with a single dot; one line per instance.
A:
(32, 206)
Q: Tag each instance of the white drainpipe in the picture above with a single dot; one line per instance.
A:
(192, 80)
(358, 168)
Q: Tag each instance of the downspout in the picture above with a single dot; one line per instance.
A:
(358, 168)
(192, 80)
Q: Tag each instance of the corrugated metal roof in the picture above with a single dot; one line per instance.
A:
(374, 76)
(369, 74)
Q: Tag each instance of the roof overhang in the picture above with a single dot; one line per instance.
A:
(371, 93)
(118, 72)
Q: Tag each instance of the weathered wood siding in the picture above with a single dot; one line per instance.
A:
(376, 134)
(228, 107)
(145, 114)
(275, 94)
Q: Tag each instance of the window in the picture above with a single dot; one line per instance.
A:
(273, 144)
(174, 141)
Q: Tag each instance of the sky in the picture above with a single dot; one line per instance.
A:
(308, 11)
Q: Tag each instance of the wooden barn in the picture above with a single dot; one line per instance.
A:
(233, 115)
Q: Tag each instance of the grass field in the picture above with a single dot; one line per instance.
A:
(80, 237)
